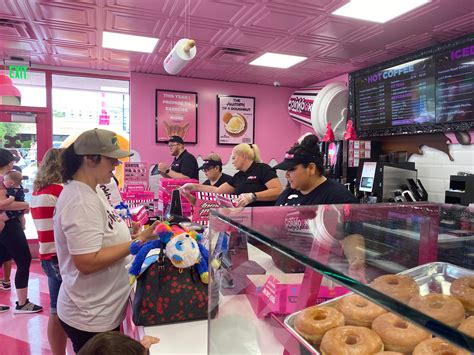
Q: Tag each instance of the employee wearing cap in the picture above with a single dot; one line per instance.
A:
(256, 183)
(308, 186)
(92, 241)
(212, 168)
(184, 165)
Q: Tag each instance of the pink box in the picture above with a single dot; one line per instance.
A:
(279, 295)
(172, 184)
(139, 215)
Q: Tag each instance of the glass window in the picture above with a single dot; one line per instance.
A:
(28, 90)
(82, 103)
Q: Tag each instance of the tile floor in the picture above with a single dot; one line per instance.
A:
(25, 334)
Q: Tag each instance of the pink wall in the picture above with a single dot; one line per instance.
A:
(275, 132)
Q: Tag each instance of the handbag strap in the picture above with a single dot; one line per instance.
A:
(161, 265)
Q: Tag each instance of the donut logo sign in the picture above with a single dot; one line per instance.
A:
(300, 106)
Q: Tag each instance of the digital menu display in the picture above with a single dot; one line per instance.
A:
(432, 89)
(455, 85)
(400, 95)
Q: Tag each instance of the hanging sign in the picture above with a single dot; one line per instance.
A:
(301, 104)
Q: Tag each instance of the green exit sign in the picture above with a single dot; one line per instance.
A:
(18, 71)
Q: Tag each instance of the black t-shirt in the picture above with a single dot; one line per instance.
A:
(253, 180)
(224, 178)
(186, 164)
(328, 193)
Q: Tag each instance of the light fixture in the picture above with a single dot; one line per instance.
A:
(378, 10)
(275, 60)
(128, 42)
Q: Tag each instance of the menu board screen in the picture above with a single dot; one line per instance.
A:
(455, 85)
(430, 92)
(400, 95)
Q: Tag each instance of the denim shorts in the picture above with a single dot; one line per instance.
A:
(51, 269)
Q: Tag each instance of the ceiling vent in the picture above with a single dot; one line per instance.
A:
(8, 23)
(232, 55)
(17, 29)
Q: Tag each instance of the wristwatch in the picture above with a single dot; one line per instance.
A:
(254, 197)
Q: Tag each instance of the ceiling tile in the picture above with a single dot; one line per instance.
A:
(10, 10)
(138, 24)
(276, 20)
(56, 34)
(54, 13)
(138, 6)
(75, 51)
(218, 11)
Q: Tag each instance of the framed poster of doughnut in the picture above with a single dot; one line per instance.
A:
(176, 114)
(235, 119)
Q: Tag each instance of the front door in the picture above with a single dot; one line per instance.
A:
(19, 134)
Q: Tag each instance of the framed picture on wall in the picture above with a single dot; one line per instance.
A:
(235, 119)
(176, 114)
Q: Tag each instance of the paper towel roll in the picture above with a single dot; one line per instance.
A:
(180, 55)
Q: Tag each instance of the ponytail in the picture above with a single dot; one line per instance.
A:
(250, 150)
(309, 146)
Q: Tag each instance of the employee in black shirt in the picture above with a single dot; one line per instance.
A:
(308, 186)
(184, 165)
(256, 183)
(212, 168)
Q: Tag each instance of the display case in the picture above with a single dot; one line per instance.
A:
(272, 262)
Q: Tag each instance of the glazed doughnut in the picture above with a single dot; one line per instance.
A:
(446, 309)
(388, 353)
(463, 290)
(314, 321)
(468, 326)
(400, 287)
(397, 334)
(359, 311)
(351, 340)
(437, 346)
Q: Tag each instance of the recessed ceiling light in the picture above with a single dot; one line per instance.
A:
(378, 10)
(128, 42)
(275, 60)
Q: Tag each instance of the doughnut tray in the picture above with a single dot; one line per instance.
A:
(433, 277)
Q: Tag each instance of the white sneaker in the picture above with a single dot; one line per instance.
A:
(28, 307)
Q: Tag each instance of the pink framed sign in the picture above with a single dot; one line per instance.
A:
(176, 114)
(235, 119)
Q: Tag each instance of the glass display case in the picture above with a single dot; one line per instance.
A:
(272, 262)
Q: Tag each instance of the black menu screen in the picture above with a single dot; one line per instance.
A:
(432, 89)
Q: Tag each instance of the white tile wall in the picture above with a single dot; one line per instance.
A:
(434, 167)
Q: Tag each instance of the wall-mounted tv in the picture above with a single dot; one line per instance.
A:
(429, 91)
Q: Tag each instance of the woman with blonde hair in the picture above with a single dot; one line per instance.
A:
(256, 183)
(46, 189)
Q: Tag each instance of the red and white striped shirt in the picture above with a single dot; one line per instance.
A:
(42, 207)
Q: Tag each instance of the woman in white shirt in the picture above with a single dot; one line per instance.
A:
(92, 241)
